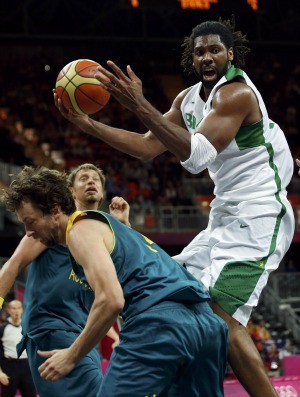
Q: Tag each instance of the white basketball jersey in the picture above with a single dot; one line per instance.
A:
(257, 163)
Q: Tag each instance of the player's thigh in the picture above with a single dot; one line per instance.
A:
(196, 255)
(149, 355)
(87, 370)
(169, 345)
(139, 369)
(202, 374)
(248, 244)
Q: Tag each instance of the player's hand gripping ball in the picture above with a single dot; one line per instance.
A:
(79, 90)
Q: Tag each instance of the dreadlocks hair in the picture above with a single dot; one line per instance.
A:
(230, 38)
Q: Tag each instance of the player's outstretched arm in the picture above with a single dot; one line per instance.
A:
(127, 89)
(27, 250)
(233, 105)
(141, 146)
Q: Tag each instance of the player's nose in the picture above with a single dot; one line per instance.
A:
(207, 57)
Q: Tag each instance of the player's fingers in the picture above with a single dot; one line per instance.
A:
(55, 96)
(120, 202)
(43, 369)
(104, 72)
(117, 70)
(60, 105)
(132, 75)
(298, 162)
(46, 354)
(46, 371)
(113, 202)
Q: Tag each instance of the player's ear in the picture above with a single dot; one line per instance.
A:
(73, 193)
(56, 210)
(230, 54)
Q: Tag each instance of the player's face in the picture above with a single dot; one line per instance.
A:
(40, 226)
(211, 59)
(87, 189)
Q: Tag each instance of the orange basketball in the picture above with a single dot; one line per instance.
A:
(78, 89)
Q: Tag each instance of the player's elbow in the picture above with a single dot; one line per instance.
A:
(149, 147)
(118, 306)
(115, 307)
(115, 301)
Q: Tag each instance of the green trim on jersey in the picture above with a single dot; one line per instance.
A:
(238, 279)
(249, 136)
(233, 72)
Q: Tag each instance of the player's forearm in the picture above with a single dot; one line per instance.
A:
(27, 250)
(125, 141)
(174, 137)
(100, 320)
(8, 275)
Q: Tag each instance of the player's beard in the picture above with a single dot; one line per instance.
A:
(91, 199)
(52, 239)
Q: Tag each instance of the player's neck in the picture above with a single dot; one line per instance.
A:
(204, 93)
(87, 207)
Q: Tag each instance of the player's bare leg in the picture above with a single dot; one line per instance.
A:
(245, 359)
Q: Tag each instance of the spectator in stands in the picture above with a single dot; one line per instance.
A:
(261, 331)
(288, 349)
(272, 358)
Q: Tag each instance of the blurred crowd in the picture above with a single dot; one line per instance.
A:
(273, 341)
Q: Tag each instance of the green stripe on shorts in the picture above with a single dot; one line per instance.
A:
(236, 283)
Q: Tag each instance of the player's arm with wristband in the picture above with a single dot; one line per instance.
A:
(27, 250)
(233, 105)
(144, 147)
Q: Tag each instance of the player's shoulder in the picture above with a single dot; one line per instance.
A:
(234, 93)
(90, 215)
(180, 97)
(182, 94)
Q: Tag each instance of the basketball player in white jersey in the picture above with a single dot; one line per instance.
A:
(221, 124)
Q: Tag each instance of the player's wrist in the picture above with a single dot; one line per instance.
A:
(1, 302)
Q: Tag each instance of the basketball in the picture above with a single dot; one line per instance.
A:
(79, 90)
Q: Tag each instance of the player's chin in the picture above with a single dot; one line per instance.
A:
(48, 242)
(209, 81)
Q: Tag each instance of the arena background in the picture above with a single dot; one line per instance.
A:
(38, 37)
